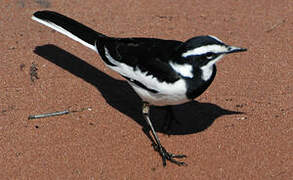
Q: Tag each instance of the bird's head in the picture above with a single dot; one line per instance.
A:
(201, 52)
(207, 50)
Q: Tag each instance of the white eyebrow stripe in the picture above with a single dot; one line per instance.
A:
(205, 49)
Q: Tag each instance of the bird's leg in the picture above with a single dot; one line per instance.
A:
(158, 147)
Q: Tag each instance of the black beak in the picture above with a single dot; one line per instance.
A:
(233, 49)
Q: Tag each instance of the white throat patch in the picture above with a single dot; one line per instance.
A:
(207, 70)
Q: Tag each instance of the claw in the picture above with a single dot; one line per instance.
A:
(178, 155)
(169, 156)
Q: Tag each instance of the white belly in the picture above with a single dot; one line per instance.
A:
(171, 94)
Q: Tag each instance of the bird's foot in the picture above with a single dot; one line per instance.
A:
(169, 156)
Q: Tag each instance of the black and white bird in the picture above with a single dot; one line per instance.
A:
(161, 72)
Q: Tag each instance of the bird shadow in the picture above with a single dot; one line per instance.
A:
(191, 117)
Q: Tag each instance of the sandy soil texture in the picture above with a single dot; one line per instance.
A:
(43, 71)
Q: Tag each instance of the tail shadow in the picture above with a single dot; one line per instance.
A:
(194, 116)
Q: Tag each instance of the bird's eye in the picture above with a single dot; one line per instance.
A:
(210, 56)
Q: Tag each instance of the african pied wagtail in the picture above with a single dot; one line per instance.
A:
(161, 72)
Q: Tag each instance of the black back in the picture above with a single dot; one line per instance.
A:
(148, 54)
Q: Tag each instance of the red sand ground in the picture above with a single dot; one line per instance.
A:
(107, 142)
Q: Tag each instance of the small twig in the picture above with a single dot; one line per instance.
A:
(275, 25)
(57, 113)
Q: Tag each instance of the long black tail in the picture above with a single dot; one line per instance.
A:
(68, 27)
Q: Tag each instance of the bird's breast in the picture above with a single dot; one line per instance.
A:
(166, 93)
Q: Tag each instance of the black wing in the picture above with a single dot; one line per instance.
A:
(148, 54)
